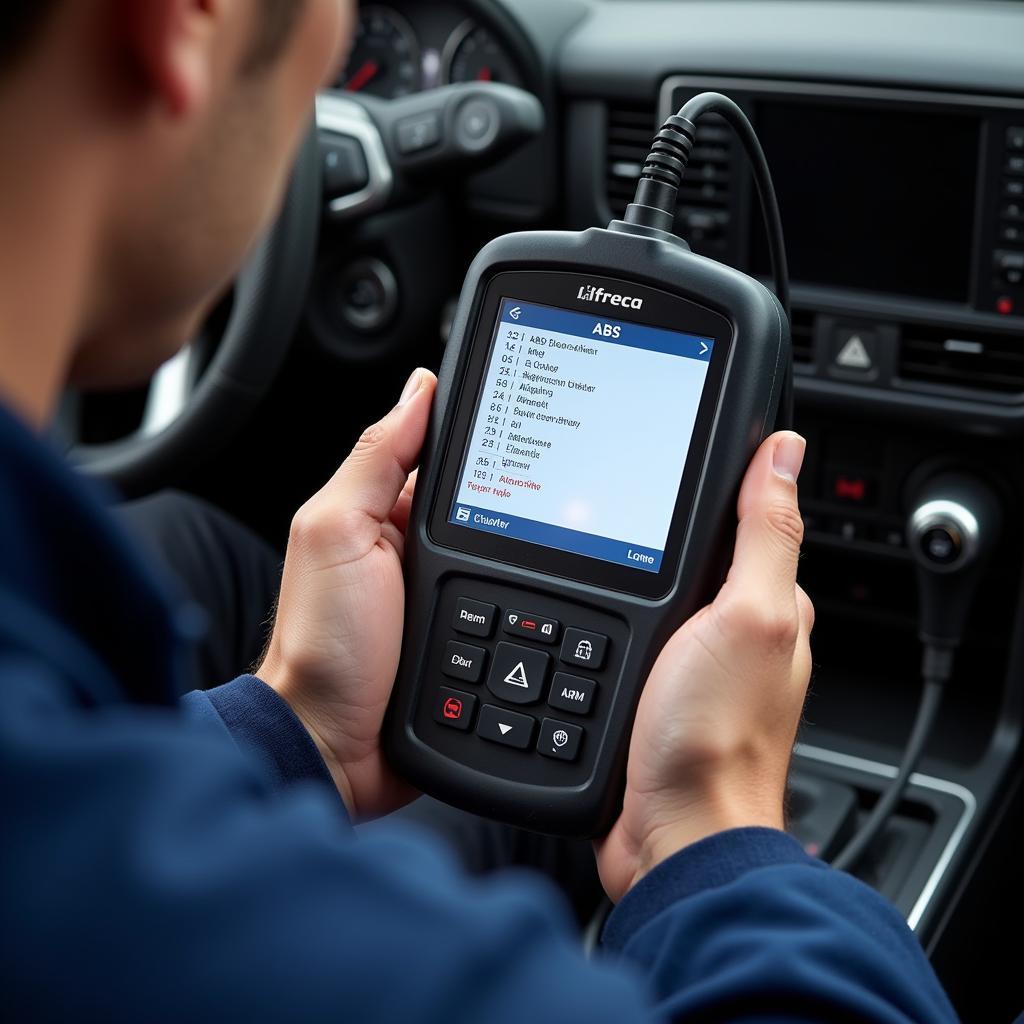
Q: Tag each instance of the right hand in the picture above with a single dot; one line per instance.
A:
(716, 724)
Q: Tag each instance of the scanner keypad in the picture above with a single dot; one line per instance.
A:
(523, 674)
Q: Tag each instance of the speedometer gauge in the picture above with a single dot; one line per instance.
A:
(474, 55)
(385, 59)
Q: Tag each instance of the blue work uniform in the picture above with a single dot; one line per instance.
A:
(169, 859)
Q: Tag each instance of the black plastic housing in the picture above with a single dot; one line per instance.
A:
(581, 798)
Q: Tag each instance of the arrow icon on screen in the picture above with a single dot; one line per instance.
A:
(705, 348)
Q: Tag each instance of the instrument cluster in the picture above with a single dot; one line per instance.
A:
(406, 48)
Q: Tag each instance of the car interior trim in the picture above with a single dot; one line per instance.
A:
(346, 117)
(888, 771)
(819, 90)
(169, 393)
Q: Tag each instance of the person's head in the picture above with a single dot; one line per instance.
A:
(179, 120)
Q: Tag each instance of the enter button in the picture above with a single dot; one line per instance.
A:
(572, 693)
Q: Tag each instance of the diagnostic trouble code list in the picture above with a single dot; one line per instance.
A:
(582, 433)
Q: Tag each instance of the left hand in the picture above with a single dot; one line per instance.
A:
(337, 636)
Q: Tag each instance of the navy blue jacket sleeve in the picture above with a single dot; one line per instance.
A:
(154, 870)
(746, 927)
(262, 724)
(150, 872)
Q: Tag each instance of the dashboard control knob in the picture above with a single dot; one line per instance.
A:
(952, 527)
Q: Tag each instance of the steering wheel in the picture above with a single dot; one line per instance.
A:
(189, 410)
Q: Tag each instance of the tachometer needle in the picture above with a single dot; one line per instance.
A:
(484, 75)
(363, 76)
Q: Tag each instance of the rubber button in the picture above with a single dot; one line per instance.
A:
(559, 740)
(582, 648)
(474, 617)
(508, 727)
(454, 708)
(572, 693)
(533, 627)
(462, 661)
(518, 674)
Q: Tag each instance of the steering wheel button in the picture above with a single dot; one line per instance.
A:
(344, 164)
(419, 132)
(477, 124)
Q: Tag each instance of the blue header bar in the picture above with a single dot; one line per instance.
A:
(599, 327)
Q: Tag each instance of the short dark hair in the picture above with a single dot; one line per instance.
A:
(22, 20)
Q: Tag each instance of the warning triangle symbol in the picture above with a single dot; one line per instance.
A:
(854, 355)
(517, 677)
(504, 728)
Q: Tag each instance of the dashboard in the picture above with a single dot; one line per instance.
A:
(405, 48)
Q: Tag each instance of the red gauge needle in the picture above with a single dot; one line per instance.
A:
(363, 76)
(484, 75)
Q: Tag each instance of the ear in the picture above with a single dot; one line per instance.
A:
(172, 44)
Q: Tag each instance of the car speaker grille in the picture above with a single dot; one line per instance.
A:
(972, 359)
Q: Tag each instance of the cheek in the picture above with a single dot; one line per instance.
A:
(323, 41)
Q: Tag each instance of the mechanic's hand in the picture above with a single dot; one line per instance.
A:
(717, 720)
(334, 651)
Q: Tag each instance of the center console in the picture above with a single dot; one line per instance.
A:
(904, 215)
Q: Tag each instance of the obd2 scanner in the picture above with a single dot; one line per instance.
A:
(600, 398)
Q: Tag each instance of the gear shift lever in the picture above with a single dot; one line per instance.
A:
(951, 531)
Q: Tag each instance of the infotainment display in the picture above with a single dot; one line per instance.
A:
(581, 432)
(875, 198)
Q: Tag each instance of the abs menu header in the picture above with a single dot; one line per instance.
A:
(602, 328)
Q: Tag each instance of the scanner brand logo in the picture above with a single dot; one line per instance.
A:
(592, 293)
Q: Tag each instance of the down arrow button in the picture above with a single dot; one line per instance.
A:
(507, 727)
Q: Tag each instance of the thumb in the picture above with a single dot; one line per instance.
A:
(371, 479)
(770, 528)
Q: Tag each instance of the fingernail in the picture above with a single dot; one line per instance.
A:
(789, 456)
(412, 385)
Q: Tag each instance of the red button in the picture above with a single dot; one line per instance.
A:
(850, 488)
(454, 708)
(1004, 305)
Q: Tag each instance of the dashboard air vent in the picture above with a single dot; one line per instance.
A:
(802, 333)
(630, 133)
(703, 211)
(971, 359)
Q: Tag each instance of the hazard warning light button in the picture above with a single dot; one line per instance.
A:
(854, 352)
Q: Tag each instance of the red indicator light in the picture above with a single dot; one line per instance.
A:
(453, 708)
(852, 489)
(529, 624)
(1004, 305)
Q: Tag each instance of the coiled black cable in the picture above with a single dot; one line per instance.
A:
(654, 204)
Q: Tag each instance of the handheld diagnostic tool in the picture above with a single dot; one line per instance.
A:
(601, 396)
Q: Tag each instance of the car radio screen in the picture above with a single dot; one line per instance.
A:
(582, 432)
